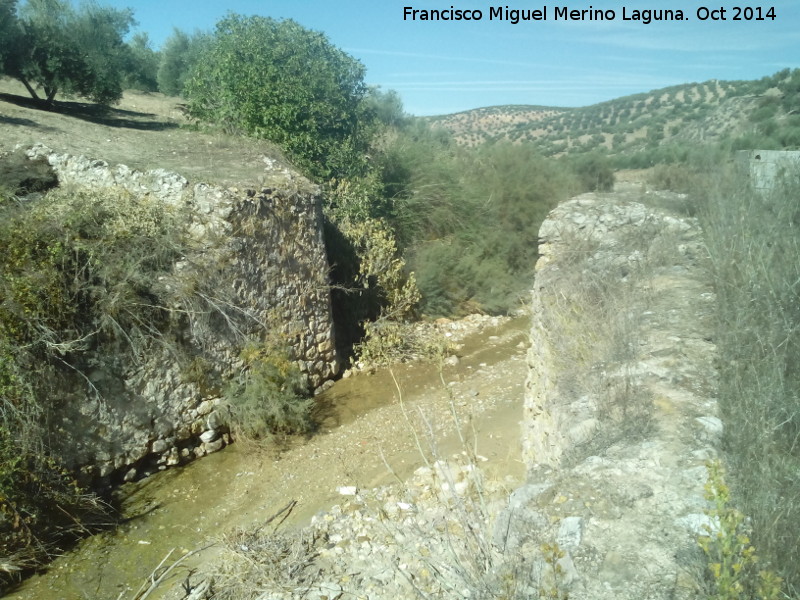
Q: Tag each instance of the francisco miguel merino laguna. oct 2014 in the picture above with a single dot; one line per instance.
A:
(555, 13)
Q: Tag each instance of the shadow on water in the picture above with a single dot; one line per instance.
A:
(141, 514)
(352, 397)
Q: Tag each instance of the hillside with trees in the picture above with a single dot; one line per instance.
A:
(424, 218)
(651, 127)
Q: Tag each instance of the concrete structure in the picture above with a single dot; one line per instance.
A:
(767, 166)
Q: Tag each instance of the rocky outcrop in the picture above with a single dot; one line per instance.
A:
(620, 416)
(256, 271)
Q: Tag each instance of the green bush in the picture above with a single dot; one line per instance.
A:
(675, 177)
(79, 270)
(271, 395)
(595, 172)
(467, 220)
(766, 111)
(81, 267)
(755, 139)
(178, 57)
(277, 80)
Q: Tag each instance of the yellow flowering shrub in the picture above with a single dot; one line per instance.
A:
(733, 566)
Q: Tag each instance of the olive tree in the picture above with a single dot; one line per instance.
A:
(141, 66)
(10, 34)
(179, 54)
(61, 49)
(279, 81)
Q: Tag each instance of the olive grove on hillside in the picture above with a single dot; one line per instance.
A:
(50, 45)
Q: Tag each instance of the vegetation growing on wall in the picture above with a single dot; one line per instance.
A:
(78, 269)
(734, 572)
(372, 289)
(270, 396)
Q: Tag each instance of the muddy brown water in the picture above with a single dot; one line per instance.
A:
(373, 430)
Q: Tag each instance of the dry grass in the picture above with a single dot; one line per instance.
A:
(755, 247)
(144, 131)
(259, 562)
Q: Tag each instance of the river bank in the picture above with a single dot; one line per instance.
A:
(366, 439)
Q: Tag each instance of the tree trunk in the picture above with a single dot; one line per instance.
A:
(27, 85)
(51, 94)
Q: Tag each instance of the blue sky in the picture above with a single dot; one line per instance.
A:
(445, 67)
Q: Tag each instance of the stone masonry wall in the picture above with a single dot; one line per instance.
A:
(619, 421)
(620, 414)
(257, 270)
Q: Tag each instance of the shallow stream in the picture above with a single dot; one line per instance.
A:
(366, 439)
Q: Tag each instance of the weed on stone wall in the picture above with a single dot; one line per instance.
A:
(375, 293)
(270, 396)
(78, 270)
(734, 569)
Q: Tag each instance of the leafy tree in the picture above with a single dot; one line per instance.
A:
(10, 33)
(277, 80)
(65, 50)
(595, 172)
(141, 65)
(386, 107)
(178, 55)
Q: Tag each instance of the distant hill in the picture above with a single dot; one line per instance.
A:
(765, 111)
(473, 127)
